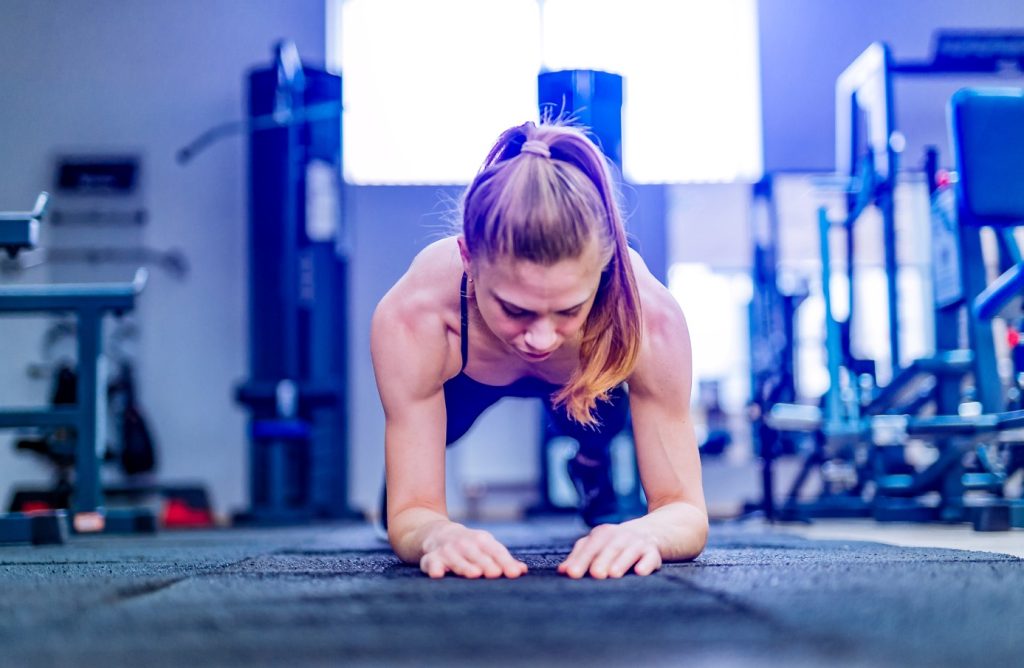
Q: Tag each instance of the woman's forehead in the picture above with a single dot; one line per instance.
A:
(523, 282)
(588, 262)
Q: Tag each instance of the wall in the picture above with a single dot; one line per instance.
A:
(806, 44)
(148, 76)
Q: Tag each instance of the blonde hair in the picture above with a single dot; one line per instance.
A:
(547, 208)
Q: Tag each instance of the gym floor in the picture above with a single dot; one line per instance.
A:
(336, 595)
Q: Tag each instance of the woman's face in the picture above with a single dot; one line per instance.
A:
(532, 308)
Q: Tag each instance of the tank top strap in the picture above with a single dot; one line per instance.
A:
(464, 306)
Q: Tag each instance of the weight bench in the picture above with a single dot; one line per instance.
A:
(89, 303)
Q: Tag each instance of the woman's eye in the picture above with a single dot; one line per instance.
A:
(512, 313)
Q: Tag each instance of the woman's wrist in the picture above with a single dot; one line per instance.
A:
(432, 534)
(414, 531)
(678, 529)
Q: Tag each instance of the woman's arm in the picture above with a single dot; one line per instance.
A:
(410, 353)
(666, 444)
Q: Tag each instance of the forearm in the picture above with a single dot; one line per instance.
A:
(680, 530)
(412, 530)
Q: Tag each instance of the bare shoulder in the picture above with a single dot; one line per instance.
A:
(663, 317)
(412, 326)
(429, 286)
(665, 355)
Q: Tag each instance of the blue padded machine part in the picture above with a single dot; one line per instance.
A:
(1000, 293)
(988, 146)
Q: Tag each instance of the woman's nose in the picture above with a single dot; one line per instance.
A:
(541, 336)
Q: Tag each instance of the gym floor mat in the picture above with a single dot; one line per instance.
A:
(336, 595)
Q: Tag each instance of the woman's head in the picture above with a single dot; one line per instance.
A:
(543, 238)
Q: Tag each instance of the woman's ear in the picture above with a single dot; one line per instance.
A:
(467, 263)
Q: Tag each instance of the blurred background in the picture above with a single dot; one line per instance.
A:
(728, 109)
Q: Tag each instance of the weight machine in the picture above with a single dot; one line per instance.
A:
(296, 393)
(925, 399)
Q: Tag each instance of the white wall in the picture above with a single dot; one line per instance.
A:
(149, 75)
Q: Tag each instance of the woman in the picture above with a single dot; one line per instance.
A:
(539, 296)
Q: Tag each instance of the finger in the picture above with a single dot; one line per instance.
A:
(460, 565)
(488, 566)
(575, 565)
(650, 562)
(512, 567)
(432, 565)
(604, 559)
(626, 559)
(582, 555)
(564, 565)
(509, 565)
(567, 563)
(574, 554)
(579, 546)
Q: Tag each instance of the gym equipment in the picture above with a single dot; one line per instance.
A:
(869, 146)
(988, 140)
(987, 127)
(296, 393)
(895, 494)
(20, 230)
(874, 479)
(297, 390)
(772, 321)
(89, 303)
(988, 144)
(130, 446)
(592, 98)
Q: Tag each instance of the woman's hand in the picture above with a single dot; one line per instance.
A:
(611, 551)
(471, 553)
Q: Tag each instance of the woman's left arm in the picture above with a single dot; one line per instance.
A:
(675, 527)
(666, 445)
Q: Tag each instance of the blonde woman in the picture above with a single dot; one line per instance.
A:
(539, 296)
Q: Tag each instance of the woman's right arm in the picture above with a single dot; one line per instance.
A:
(410, 351)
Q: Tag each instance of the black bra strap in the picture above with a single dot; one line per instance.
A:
(464, 298)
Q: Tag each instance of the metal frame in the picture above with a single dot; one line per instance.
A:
(89, 303)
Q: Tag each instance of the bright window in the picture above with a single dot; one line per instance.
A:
(715, 303)
(428, 84)
(692, 97)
